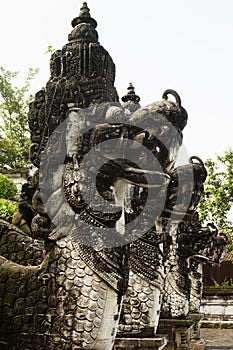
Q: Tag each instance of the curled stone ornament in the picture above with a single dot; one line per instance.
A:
(106, 235)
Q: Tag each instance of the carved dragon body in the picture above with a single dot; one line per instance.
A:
(66, 267)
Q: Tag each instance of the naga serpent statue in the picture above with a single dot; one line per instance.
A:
(106, 235)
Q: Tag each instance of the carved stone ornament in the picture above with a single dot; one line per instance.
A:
(106, 236)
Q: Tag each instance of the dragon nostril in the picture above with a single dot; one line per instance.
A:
(148, 135)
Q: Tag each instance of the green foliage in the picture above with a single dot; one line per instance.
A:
(226, 284)
(14, 130)
(217, 200)
(49, 50)
(7, 188)
(7, 209)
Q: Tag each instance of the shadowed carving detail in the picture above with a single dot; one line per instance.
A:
(71, 272)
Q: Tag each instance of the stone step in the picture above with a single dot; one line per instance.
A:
(219, 324)
(156, 343)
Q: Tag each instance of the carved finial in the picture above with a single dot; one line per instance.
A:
(84, 11)
(84, 17)
(131, 96)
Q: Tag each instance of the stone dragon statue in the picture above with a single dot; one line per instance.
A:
(73, 269)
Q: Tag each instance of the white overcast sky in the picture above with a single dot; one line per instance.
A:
(186, 45)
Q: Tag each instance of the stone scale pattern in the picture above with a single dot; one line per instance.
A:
(59, 294)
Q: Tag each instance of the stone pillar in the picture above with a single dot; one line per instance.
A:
(197, 342)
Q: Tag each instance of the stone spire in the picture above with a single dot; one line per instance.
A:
(131, 100)
(84, 17)
(131, 96)
(84, 26)
(82, 73)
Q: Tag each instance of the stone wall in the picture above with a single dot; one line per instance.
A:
(219, 273)
(217, 307)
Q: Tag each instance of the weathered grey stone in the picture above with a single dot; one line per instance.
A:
(63, 277)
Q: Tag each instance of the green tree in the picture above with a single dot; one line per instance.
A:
(217, 200)
(8, 188)
(14, 131)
